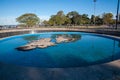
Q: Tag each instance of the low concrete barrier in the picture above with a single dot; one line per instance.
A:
(6, 33)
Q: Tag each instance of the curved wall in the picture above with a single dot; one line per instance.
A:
(7, 34)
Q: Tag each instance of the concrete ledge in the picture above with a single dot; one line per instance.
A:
(6, 33)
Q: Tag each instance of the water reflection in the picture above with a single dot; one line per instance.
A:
(76, 37)
(53, 37)
(30, 38)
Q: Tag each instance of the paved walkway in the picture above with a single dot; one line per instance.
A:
(108, 71)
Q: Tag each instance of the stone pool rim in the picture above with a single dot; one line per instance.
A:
(7, 33)
(113, 37)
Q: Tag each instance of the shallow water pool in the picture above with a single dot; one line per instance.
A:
(87, 49)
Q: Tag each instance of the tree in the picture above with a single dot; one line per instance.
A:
(92, 19)
(67, 21)
(28, 19)
(108, 18)
(58, 19)
(77, 19)
(72, 15)
(85, 19)
(52, 20)
(45, 23)
(98, 20)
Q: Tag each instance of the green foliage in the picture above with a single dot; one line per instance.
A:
(98, 20)
(77, 20)
(30, 38)
(46, 23)
(58, 19)
(74, 36)
(85, 19)
(72, 14)
(29, 19)
(108, 18)
(92, 19)
(52, 20)
(67, 21)
(74, 18)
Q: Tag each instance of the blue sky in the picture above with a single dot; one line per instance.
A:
(11, 9)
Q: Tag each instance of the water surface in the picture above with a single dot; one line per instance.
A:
(87, 49)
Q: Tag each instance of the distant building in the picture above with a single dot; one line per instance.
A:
(1, 27)
(7, 26)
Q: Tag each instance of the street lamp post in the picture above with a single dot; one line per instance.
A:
(117, 14)
(94, 10)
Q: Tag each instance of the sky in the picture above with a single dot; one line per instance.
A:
(11, 9)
